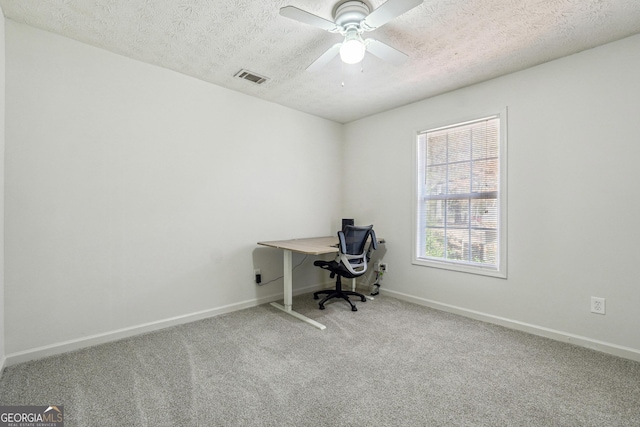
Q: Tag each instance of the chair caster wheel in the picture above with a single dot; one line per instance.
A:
(316, 297)
(354, 308)
(322, 307)
(363, 299)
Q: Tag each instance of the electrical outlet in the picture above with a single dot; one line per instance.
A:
(384, 267)
(257, 275)
(597, 305)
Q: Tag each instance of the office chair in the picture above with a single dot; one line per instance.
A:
(351, 262)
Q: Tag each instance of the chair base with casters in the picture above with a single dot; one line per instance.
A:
(337, 292)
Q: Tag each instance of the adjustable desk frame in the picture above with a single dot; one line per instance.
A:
(309, 246)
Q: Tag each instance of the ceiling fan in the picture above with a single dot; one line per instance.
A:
(351, 18)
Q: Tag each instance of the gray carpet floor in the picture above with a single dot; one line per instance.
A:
(391, 363)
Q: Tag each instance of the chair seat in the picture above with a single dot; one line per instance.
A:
(335, 268)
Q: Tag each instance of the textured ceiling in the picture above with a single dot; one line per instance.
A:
(450, 43)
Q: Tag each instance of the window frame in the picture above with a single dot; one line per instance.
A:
(419, 224)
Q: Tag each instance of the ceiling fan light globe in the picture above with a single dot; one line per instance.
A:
(352, 51)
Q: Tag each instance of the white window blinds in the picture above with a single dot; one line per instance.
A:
(459, 193)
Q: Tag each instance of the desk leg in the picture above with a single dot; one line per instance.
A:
(353, 288)
(288, 292)
(288, 280)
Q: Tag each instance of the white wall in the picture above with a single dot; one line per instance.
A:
(135, 194)
(2, 126)
(574, 198)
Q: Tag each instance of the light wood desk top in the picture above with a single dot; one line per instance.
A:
(310, 246)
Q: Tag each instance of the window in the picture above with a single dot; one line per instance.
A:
(461, 196)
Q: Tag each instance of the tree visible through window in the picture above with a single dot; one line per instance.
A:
(459, 195)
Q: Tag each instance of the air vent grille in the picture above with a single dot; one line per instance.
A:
(251, 76)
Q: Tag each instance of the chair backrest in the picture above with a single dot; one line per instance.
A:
(353, 240)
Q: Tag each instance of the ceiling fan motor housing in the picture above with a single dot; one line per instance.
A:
(350, 13)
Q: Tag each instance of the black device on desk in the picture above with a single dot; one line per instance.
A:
(347, 221)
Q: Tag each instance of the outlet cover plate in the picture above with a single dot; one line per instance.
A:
(597, 305)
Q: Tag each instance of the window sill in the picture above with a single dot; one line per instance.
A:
(461, 267)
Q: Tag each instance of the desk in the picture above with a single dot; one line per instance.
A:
(310, 246)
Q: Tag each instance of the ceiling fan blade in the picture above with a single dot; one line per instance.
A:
(385, 52)
(307, 18)
(325, 58)
(389, 10)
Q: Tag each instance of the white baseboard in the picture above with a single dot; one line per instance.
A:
(103, 338)
(605, 347)
(76, 344)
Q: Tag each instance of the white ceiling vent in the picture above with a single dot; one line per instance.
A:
(251, 76)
